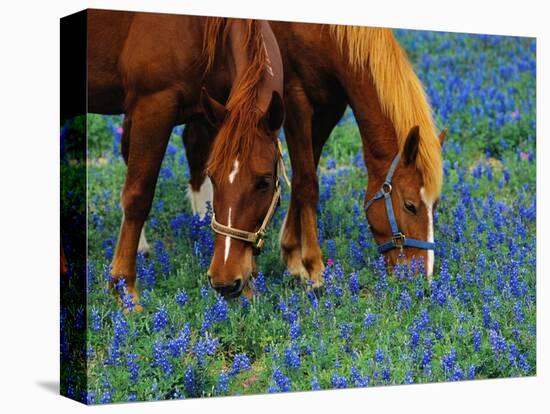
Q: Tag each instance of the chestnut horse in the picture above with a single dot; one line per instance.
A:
(156, 69)
(327, 68)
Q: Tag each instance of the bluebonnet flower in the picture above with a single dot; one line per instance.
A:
(486, 315)
(189, 380)
(205, 347)
(204, 291)
(180, 344)
(125, 297)
(345, 330)
(369, 320)
(295, 330)
(428, 353)
(222, 385)
(259, 285)
(106, 398)
(458, 374)
(133, 366)
(292, 357)
(513, 354)
(518, 312)
(315, 384)
(405, 301)
(379, 355)
(160, 358)
(162, 256)
(331, 248)
(498, 343)
(449, 360)
(218, 312)
(282, 382)
(339, 381)
(477, 341)
(312, 297)
(120, 334)
(90, 397)
(524, 364)
(240, 363)
(160, 319)
(386, 374)
(95, 320)
(354, 285)
(182, 297)
(146, 273)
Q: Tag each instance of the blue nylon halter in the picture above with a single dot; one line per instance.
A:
(398, 240)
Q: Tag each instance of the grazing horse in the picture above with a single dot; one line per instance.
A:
(158, 70)
(327, 68)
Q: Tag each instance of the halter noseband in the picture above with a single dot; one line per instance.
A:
(398, 240)
(256, 238)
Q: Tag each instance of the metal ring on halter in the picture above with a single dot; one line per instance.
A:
(384, 186)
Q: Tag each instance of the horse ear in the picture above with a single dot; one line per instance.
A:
(410, 151)
(275, 112)
(213, 110)
(442, 136)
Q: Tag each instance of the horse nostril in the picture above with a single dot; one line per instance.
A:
(230, 290)
(237, 285)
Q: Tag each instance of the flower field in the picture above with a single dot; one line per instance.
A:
(475, 319)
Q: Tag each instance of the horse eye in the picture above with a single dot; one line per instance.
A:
(410, 207)
(262, 184)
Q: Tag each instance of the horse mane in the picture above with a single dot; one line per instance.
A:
(242, 123)
(402, 96)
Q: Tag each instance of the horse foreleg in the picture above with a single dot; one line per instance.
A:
(143, 245)
(299, 244)
(198, 136)
(152, 119)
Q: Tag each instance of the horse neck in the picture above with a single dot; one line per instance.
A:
(377, 130)
(239, 61)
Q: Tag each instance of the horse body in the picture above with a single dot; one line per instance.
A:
(153, 68)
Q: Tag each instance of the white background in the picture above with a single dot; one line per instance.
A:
(29, 188)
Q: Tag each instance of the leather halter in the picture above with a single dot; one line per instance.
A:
(398, 240)
(256, 238)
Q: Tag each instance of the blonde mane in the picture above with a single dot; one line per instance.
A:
(401, 94)
(241, 126)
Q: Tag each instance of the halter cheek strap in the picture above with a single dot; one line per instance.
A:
(398, 240)
(256, 238)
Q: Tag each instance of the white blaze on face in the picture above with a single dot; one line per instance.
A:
(429, 210)
(227, 239)
(234, 171)
(231, 177)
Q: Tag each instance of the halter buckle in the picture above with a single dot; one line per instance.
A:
(399, 241)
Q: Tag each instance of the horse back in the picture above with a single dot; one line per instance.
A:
(107, 34)
(133, 54)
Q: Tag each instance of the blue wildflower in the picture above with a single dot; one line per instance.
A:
(182, 297)
(292, 357)
(240, 363)
(222, 385)
(339, 381)
(160, 319)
